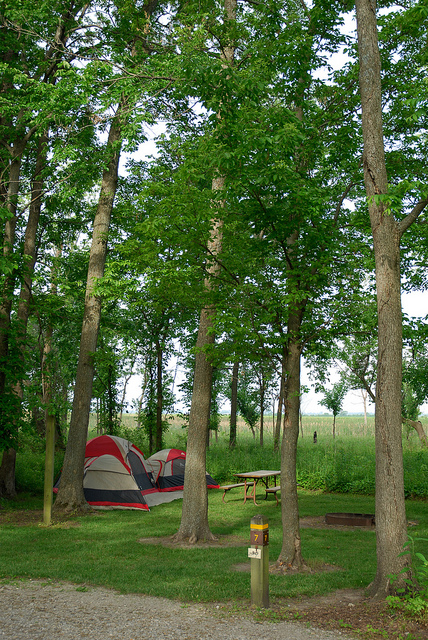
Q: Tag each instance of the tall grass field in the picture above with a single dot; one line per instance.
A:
(344, 464)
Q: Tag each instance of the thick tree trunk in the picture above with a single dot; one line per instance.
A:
(290, 556)
(194, 519)
(391, 530)
(70, 495)
(391, 525)
(233, 405)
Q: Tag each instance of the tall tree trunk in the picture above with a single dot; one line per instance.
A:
(277, 432)
(10, 204)
(7, 469)
(49, 429)
(49, 413)
(159, 397)
(194, 519)
(31, 233)
(290, 556)
(233, 405)
(262, 407)
(391, 530)
(70, 494)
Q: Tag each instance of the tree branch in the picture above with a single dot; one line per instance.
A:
(412, 216)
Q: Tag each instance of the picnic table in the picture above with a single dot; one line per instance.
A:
(251, 478)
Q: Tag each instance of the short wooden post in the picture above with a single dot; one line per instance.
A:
(259, 554)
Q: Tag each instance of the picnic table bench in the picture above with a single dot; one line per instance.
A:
(273, 490)
(228, 487)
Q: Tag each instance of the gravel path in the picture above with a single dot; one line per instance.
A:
(36, 610)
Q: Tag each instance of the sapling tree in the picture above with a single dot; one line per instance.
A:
(333, 399)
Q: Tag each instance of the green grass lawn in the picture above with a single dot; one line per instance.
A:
(106, 549)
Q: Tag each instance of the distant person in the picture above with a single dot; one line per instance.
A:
(315, 437)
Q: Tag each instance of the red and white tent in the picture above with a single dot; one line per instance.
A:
(168, 468)
(117, 476)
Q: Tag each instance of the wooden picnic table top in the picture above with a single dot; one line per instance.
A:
(257, 475)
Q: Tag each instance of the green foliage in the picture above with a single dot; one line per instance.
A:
(248, 406)
(413, 599)
(30, 465)
(333, 398)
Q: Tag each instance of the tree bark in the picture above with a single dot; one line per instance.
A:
(7, 474)
(70, 495)
(290, 556)
(391, 529)
(7, 469)
(159, 397)
(49, 413)
(262, 407)
(194, 518)
(417, 426)
(233, 405)
(31, 233)
(8, 247)
(277, 431)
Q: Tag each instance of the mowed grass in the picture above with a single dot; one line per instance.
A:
(107, 548)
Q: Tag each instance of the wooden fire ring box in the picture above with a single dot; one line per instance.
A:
(350, 519)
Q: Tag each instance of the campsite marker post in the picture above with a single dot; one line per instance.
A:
(259, 554)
